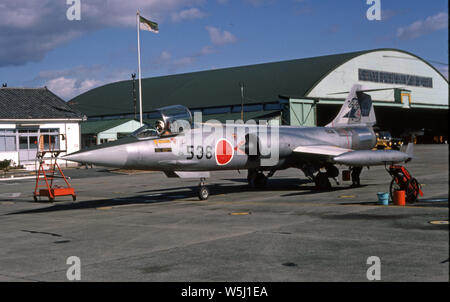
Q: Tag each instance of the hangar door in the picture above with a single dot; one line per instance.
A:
(302, 112)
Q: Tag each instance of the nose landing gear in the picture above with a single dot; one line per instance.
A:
(203, 192)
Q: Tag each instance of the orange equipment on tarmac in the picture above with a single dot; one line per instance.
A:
(399, 198)
(45, 178)
(402, 180)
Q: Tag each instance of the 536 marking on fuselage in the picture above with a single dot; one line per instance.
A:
(200, 152)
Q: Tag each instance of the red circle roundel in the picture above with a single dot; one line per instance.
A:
(224, 151)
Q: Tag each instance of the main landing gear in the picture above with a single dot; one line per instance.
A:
(322, 179)
(203, 192)
(322, 182)
(257, 179)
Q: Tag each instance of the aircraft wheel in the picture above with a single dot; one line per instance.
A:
(260, 180)
(257, 180)
(322, 182)
(203, 193)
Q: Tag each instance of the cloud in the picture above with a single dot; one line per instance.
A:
(180, 63)
(30, 29)
(66, 88)
(188, 14)
(423, 27)
(166, 60)
(70, 82)
(259, 2)
(387, 14)
(219, 37)
(206, 50)
(333, 28)
(165, 56)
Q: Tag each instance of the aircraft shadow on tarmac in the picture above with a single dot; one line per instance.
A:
(190, 192)
(283, 184)
(100, 203)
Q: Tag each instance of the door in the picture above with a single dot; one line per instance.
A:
(302, 113)
(28, 143)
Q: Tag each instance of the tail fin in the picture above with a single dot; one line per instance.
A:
(408, 150)
(357, 110)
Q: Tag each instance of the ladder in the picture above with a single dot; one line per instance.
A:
(45, 185)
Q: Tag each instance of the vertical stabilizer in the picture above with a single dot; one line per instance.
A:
(357, 110)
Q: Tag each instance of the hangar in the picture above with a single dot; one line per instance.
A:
(309, 92)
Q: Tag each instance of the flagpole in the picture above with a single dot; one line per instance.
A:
(139, 68)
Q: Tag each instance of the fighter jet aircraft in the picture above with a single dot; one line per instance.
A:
(182, 147)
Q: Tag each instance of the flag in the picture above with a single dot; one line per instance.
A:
(145, 24)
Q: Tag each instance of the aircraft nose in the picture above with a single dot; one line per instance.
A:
(115, 156)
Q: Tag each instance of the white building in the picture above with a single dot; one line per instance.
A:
(102, 131)
(35, 118)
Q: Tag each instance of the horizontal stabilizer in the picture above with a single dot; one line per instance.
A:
(410, 150)
(370, 90)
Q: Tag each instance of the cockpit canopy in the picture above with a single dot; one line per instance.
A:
(172, 120)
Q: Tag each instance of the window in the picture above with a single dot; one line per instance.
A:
(368, 75)
(49, 139)
(387, 77)
(394, 78)
(8, 140)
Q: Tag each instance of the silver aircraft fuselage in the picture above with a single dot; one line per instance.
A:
(183, 153)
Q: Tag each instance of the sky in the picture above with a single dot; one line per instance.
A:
(40, 46)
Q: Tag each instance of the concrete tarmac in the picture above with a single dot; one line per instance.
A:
(146, 227)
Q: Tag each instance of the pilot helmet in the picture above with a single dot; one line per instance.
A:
(159, 125)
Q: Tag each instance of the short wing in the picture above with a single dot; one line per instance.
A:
(187, 174)
(320, 152)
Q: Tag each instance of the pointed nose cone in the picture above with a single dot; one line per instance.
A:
(110, 156)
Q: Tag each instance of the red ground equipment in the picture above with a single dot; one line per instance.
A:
(402, 180)
(45, 178)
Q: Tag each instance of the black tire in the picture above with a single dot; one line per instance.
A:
(322, 182)
(35, 198)
(412, 190)
(394, 186)
(74, 197)
(203, 193)
(260, 181)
